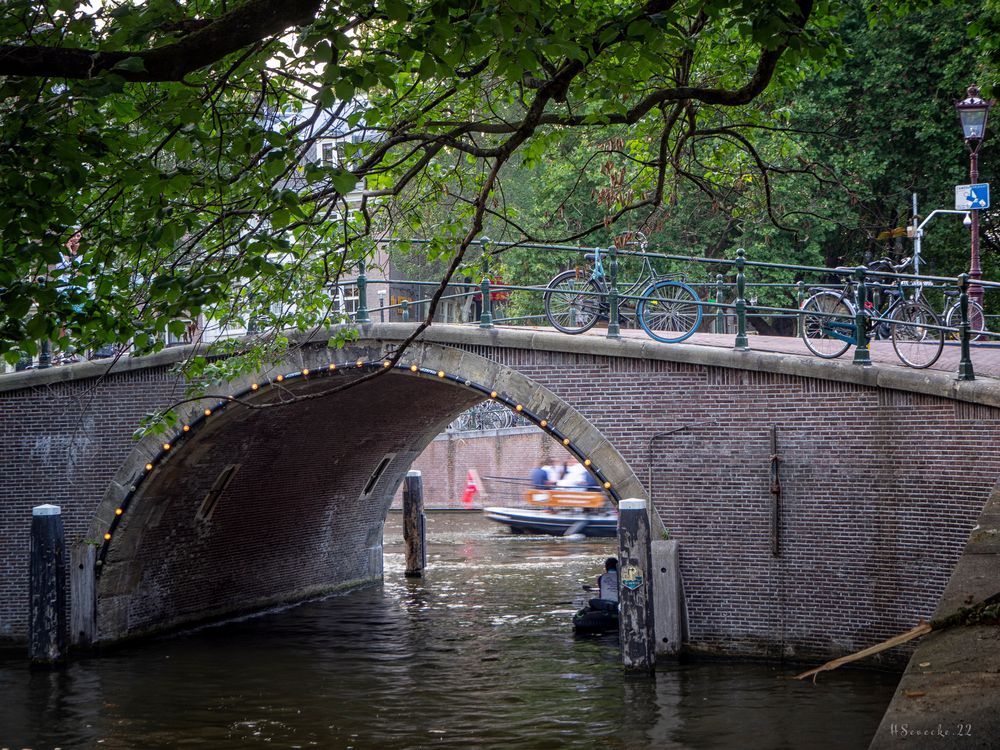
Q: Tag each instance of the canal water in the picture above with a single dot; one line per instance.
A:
(477, 654)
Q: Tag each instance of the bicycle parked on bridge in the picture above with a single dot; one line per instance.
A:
(951, 312)
(828, 322)
(486, 415)
(668, 310)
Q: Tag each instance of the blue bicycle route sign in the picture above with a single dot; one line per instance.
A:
(969, 197)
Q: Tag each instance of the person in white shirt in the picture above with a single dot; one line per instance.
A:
(575, 476)
(608, 581)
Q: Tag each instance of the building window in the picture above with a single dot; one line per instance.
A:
(349, 299)
(327, 154)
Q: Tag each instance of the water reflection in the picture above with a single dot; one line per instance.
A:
(478, 653)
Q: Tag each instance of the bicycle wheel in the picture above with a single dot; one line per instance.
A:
(669, 311)
(495, 419)
(826, 324)
(977, 320)
(916, 335)
(573, 302)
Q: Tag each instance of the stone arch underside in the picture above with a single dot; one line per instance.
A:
(256, 506)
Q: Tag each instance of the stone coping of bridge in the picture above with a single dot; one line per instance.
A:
(708, 349)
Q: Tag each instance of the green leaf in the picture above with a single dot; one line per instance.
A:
(343, 181)
(182, 148)
(397, 10)
(280, 218)
(344, 89)
(428, 68)
(131, 65)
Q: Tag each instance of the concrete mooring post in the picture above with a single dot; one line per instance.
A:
(635, 597)
(414, 524)
(47, 588)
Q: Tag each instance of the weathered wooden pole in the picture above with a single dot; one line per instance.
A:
(47, 587)
(668, 597)
(414, 524)
(635, 565)
(83, 595)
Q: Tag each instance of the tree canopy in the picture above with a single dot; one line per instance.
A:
(174, 140)
(172, 136)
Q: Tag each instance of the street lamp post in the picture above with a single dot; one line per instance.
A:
(973, 111)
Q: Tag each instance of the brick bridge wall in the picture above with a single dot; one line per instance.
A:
(879, 485)
(61, 443)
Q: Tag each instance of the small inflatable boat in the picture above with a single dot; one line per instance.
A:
(599, 616)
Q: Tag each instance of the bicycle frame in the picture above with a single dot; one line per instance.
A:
(831, 316)
(873, 316)
(647, 277)
(835, 329)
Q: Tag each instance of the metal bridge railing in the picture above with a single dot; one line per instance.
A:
(732, 301)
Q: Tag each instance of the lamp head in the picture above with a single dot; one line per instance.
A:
(973, 112)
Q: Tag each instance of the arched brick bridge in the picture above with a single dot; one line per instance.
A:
(882, 473)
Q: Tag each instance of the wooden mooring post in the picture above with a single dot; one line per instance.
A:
(668, 598)
(414, 524)
(83, 596)
(635, 568)
(47, 588)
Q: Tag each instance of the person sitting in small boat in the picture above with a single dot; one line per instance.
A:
(607, 583)
(601, 612)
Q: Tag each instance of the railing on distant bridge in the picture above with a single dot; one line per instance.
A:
(731, 296)
(732, 303)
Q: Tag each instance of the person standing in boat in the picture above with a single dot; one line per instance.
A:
(607, 583)
(575, 476)
(555, 473)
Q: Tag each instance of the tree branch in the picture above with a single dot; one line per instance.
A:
(247, 24)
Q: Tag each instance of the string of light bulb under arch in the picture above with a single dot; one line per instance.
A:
(169, 447)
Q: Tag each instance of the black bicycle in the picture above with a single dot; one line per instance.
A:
(828, 322)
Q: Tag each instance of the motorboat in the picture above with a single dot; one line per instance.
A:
(556, 523)
(560, 512)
